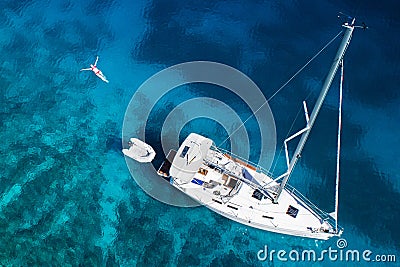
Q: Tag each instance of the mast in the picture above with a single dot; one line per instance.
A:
(328, 81)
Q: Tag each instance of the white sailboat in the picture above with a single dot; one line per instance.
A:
(248, 194)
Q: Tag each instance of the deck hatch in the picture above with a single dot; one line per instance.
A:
(292, 211)
(257, 194)
(184, 152)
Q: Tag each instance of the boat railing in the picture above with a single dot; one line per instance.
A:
(322, 215)
(246, 162)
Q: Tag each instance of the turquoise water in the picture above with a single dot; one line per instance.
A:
(66, 194)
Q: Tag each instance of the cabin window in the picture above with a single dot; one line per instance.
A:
(184, 151)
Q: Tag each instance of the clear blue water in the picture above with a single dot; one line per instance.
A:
(66, 195)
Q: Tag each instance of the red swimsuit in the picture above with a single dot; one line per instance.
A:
(93, 68)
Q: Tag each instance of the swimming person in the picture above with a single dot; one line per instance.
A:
(96, 70)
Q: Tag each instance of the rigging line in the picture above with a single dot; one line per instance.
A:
(286, 83)
(291, 78)
(338, 147)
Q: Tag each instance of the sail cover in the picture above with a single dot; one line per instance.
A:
(249, 177)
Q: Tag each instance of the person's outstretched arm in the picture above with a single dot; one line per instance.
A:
(97, 59)
(86, 69)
